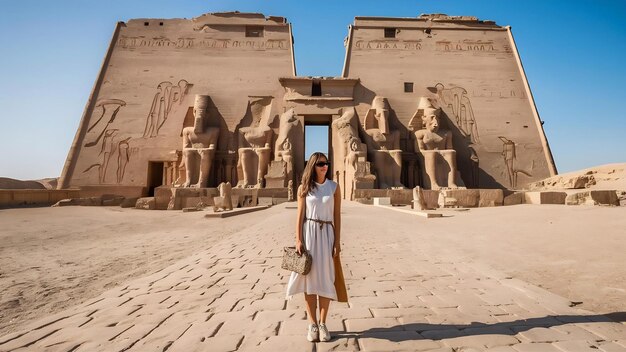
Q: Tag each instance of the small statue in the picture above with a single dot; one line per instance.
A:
(432, 143)
(383, 144)
(224, 201)
(419, 203)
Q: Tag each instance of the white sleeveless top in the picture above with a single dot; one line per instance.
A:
(320, 203)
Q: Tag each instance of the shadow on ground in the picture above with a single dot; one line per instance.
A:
(398, 333)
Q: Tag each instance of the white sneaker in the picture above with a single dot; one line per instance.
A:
(324, 334)
(313, 334)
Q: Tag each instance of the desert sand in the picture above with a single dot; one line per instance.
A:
(55, 258)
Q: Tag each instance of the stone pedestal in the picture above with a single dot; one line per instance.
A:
(277, 175)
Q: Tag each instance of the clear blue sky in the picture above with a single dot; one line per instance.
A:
(573, 52)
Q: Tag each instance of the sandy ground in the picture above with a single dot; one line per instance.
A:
(54, 258)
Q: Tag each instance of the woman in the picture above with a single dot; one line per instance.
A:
(318, 232)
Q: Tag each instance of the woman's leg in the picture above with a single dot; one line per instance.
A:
(324, 304)
(311, 307)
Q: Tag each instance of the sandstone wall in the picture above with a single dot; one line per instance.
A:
(471, 68)
(144, 94)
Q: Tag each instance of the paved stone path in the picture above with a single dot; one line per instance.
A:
(231, 297)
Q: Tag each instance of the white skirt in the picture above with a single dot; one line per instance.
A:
(321, 279)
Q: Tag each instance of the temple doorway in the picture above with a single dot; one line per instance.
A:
(155, 176)
(317, 137)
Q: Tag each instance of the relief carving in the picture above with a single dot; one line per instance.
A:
(394, 44)
(104, 104)
(126, 42)
(166, 96)
(457, 100)
(465, 45)
(123, 157)
(509, 155)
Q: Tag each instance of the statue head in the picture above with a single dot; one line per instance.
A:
(378, 116)
(199, 112)
(429, 114)
(288, 116)
(430, 119)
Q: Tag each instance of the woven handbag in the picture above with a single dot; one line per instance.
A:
(292, 261)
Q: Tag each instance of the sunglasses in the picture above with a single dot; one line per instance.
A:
(322, 163)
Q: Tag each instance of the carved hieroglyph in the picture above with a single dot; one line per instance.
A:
(383, 144)
(166, 96)
(435, 146)
(105, 104)
(510, 157)
(255, 138)
(109, 141)
(199, 144)
(458, 101)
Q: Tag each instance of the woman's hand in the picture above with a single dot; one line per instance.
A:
(336, 250)
(299, 247)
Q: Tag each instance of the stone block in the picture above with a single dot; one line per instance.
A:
(382, 200)
(91, 201)
(468, 198)
(129, 202)
(401, 196)
(66, 202)
(111, 200)
(280, 200)
(514, 198)
(491, 198)
(265, 201)
(192, 202)
(593, 198)
(147, 203)
(191, 209)
(545, 197)
(162, 197)
(276, 175)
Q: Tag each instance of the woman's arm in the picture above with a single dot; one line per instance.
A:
(337, 221)
(299, 221)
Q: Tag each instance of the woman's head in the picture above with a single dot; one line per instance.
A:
(317, 166)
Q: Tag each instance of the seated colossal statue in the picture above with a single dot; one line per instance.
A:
(254, 146)
(383, 144)
(199, 144)
(435, 145)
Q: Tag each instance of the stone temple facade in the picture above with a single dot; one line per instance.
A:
(436, 101)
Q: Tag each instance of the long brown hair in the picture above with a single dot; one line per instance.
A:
(308, 177)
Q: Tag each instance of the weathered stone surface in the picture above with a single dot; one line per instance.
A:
(593, 198)
(147, 203)
(491, 198)
(564, 182)
(129, 202)
(546, 197)
(514, 198)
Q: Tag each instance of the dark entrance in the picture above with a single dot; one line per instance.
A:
(155, 176)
